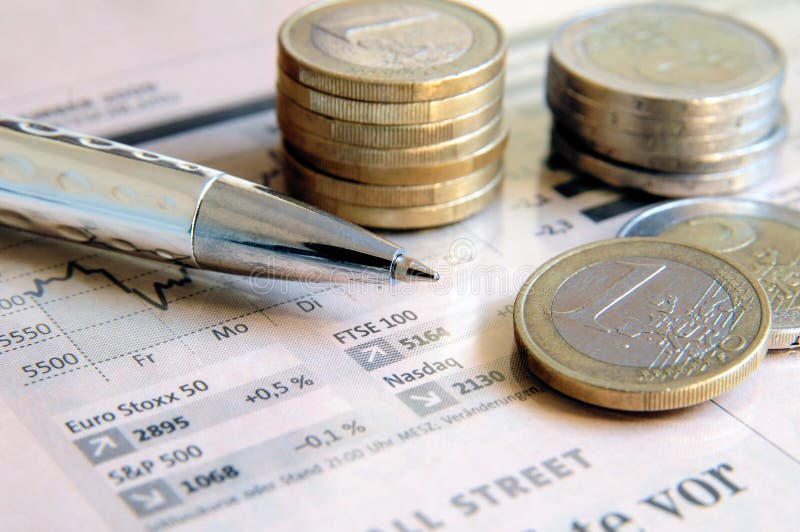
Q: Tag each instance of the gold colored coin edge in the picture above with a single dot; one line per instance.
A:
(383, 136)
(407, 175)
(401, 157)
(315, 69)
(379, 113)
(414, 217)
(635, 397)
(305, 180)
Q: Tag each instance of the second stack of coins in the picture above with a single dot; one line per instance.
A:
(391, 112)
(669, 99)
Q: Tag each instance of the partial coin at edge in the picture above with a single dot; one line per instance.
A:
(761, 237)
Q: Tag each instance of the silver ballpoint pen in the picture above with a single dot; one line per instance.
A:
(102, 193)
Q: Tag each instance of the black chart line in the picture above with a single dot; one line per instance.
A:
(159, 287)
(758, 433)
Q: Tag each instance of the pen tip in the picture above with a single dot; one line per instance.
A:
(409, 270)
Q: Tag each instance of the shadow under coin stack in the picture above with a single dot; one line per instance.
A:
(671, 100)
(391, 112)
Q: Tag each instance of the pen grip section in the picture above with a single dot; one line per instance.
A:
(99, 192)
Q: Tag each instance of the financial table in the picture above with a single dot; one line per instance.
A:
(170, 397)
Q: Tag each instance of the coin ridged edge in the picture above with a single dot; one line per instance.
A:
(667, 152)
(378, 113)
(419, 217)
(355, 85)
(304, 180)
(565, 100)
(628, 153)
(666, 184)
(371, 92)
(785, 338)
(620, 124)
(562, 378)
(401, 157)
(383, 136)
(649, 401)
(407, 175)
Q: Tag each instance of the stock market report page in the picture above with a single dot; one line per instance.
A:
(143, 396)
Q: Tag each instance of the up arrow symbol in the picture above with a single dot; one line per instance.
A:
(151, 499)
(373, 352)
(430, 399)
(102, 443)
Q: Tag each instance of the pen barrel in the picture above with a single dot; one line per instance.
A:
(98, 192)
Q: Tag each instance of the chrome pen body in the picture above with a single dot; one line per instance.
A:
(106, 194)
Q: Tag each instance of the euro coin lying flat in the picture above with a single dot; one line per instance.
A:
(382, 51)
(642, 324)
(762, 238)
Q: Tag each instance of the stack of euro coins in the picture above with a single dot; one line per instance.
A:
(391, 112)
(668, 99)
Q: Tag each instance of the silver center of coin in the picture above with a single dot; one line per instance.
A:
(392, 36)
(645, 313)
(672, 48)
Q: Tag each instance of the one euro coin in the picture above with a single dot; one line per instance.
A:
(642, 324)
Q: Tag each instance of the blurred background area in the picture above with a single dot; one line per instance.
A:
(84, 63)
